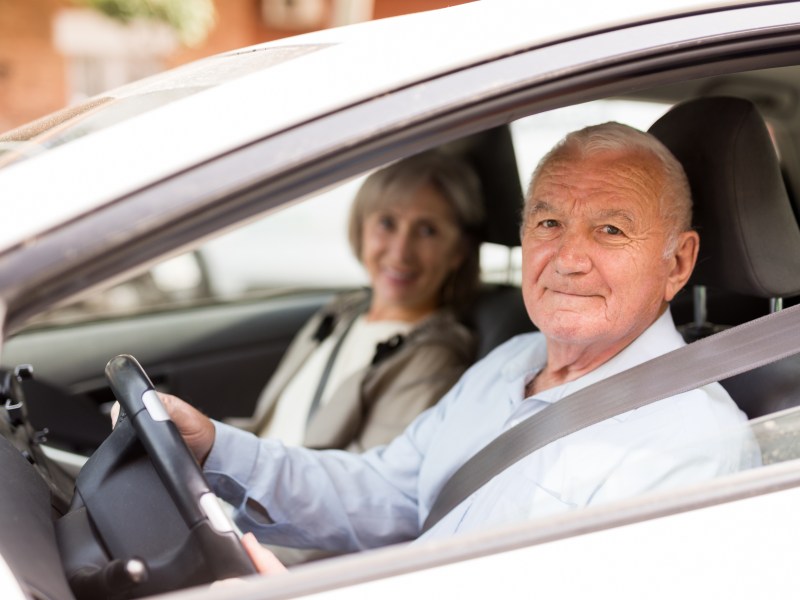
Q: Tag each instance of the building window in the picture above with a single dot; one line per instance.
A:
(103, 53)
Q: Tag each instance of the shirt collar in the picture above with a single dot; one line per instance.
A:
(661, 337)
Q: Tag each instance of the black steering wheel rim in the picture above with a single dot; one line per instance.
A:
(144, 519)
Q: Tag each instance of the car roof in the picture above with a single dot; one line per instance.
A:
(287, 82)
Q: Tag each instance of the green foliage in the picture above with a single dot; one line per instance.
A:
(191, 19)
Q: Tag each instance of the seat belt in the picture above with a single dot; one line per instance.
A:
(326, 372)
(714, 358)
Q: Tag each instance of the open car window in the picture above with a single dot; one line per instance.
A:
(304, 246)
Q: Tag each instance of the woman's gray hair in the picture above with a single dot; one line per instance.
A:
(675, 199)
(458, 184)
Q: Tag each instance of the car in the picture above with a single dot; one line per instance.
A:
(192, 220)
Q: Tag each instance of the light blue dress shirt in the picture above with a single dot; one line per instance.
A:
(340, 501)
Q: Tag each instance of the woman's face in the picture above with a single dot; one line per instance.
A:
(408, 249)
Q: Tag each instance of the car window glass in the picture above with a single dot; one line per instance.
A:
(778, 436)
(768, 440)
(122, 103)
(302, 246)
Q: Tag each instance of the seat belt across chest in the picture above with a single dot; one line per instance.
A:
(717, 357)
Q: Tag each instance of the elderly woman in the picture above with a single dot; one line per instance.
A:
(369, 362)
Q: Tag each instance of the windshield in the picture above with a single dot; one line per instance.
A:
(123, 103)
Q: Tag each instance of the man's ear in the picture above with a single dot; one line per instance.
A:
(682, 263)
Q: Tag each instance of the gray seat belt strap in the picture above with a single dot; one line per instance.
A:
(326, 372)
(717, 357)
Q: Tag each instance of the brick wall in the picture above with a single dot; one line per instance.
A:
(34, 79)
(32, 72)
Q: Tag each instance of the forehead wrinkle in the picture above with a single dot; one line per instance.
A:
(615, 213)
(602, 178)
(612, 169)
(542, 206)
(619, 179)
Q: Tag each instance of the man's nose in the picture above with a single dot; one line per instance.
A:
(572, 255)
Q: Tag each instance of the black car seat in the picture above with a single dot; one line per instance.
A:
(498, 312)
(749, 237)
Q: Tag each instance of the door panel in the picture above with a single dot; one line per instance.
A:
(216, 357)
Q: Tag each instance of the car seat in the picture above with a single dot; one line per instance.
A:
(498, 313)
(749, 237)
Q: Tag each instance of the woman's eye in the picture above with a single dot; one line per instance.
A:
(426, 230)
(611, 230)
(386, 222)
(548, 223)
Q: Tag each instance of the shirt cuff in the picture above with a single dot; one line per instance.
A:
(230, 469)
(230, 464)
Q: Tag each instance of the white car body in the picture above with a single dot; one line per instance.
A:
(730, 538)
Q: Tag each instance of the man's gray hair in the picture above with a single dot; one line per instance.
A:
(675, 199)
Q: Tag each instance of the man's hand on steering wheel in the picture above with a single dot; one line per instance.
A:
(198, 432)
(195, 428)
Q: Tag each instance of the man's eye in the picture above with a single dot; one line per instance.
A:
(548, 223)
(611, 230)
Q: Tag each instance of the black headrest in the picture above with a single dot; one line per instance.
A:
(491, 154)
(749, 237)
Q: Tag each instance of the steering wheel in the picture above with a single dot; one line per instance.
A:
(143, 519)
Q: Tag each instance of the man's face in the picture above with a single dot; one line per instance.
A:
(593, 264)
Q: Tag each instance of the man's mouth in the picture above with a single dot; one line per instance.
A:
(573, 293)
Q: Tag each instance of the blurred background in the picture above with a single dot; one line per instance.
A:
(54, 53)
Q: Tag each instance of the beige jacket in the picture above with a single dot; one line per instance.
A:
(375, 404)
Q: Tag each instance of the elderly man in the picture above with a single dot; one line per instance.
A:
(606, 244)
